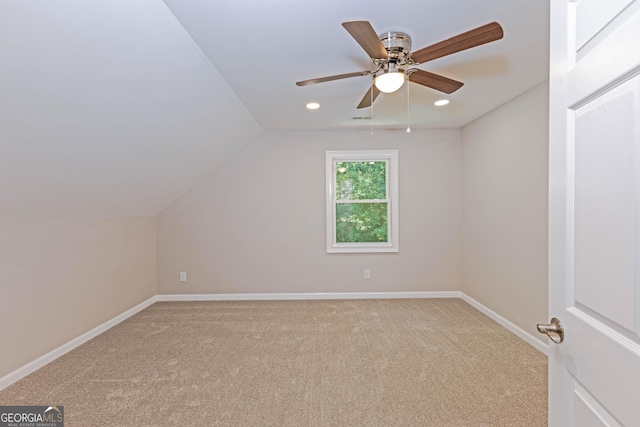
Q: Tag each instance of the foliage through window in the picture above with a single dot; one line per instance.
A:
(362, 201)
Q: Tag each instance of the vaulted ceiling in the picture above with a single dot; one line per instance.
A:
(262, 48)
(116, 107)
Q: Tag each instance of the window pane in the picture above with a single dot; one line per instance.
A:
(361, 180)
(361, 222)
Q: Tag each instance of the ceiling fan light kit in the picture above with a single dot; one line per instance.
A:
(390, 80)
(392, 50)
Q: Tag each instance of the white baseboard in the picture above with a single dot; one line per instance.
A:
(521, 333)
(307, 296)
(22, 372)
(30, 367)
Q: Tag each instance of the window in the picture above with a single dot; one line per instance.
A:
(362, 201)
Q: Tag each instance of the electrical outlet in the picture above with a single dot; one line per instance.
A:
(183, 276)
(367, 274)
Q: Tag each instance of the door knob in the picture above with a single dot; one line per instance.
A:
(554, 330)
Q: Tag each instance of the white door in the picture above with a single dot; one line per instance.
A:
(594, 212)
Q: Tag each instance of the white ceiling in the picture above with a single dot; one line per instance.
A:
(109, 107)
(262, 48)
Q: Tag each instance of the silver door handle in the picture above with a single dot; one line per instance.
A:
(553, 330)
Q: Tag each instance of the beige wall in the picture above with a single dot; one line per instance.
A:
(504, 220)
(257, 224)
(473, 217)
(59, 279)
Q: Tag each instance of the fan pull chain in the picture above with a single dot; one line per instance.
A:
(371, 98)
(408, 109)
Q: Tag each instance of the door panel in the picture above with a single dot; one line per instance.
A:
(608, 60)
(588, 411)
(604, 188)
(594, 212)
(604, 362)
(593, 15)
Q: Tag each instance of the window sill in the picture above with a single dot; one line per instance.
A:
(356, 249)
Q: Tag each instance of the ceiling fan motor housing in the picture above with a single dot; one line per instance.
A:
(397, 44)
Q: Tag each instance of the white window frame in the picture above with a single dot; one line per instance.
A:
(391, 158)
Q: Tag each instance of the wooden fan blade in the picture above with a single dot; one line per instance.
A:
(434, 81)
(366, 37)
(476, 37)
(330, 78)
(366, 100)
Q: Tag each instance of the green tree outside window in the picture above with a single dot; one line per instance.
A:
(361, 202)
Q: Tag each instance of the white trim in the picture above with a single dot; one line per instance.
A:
(390, 157)
(307, 296)
(41, 361)
(521, 333)
(30, 367)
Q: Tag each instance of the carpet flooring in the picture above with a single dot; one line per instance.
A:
(404, 362)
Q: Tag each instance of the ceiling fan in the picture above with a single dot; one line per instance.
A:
(391, 54)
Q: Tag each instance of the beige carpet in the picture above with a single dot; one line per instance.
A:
(410, 362)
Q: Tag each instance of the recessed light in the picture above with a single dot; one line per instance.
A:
(313, 106)
(441, 102)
